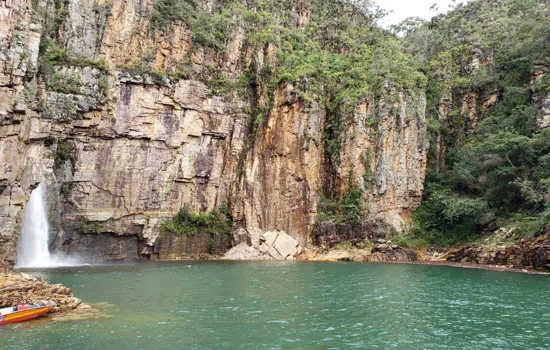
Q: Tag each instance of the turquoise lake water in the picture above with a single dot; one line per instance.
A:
(294, 305)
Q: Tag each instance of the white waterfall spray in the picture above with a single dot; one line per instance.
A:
(32, 248)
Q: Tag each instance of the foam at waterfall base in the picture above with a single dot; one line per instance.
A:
(56, 260)
(32, 246)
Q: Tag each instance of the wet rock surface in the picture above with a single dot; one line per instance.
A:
(23, 288)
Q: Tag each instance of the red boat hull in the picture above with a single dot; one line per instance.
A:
(24, 315)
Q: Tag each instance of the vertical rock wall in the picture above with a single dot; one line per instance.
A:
(284, 169)
(392, 154)
(124, 151)
(21, 157)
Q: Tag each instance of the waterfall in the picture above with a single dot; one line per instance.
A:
(32, 248)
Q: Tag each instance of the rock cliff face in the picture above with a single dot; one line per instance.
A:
(464, 108)
(123, 147)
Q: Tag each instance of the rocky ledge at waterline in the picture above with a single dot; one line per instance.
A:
(23, 288)
(281, 246)
(380, 250)
(533, 253)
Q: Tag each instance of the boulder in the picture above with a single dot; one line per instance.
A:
(279, 245)
(269, 238)
(244, 252)
(382, 248)
(272, 245)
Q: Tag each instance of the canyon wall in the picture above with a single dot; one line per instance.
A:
(122, 147)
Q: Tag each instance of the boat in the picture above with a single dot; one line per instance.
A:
(23, 312)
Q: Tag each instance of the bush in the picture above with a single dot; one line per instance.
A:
(189, 223)
(409, 241)
(85, 225)
(166, 12)
(212, 30)
(144, 70)
(348, 210)
(351, 206)
(52, 55)
(65, 152)
(328, 210)
(528, 225)
(445, 218)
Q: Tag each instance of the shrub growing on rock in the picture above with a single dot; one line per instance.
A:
(188, 223)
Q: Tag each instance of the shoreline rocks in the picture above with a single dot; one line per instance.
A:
(21, 288)
(393, 255)
(381, 251)
(527, 253)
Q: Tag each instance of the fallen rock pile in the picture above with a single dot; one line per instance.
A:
(23, 288)
(279, 245)
(384, 250)
(384, 246)
(272, 245)
(244, 252)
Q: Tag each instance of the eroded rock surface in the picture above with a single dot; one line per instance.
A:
(533, 253)
(23, 288)
(393, 255)
(123, 150)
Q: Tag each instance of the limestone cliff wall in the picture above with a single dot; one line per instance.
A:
(21, 159)
(123, 150)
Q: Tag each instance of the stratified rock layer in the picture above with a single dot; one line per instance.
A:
(123, 151)
(533, 253)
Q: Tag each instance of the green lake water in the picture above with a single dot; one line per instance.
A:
(294, 305)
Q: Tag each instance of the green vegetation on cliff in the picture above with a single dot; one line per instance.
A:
(483, 67)
(332, 54)
(486, 62)
(347, 210)
(188, 223)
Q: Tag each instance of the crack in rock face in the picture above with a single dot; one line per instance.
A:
(129, 126)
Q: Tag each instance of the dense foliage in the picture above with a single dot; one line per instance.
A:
(496, 158)
(348, 210)
(189, 223)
